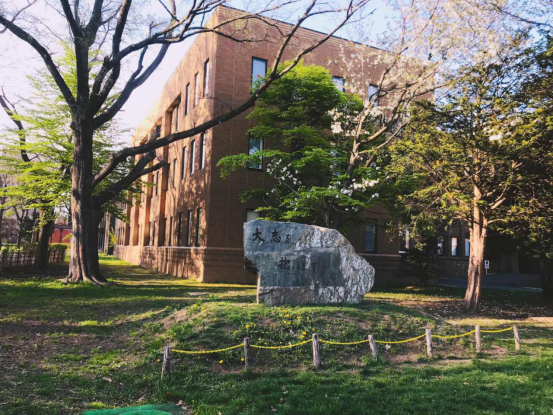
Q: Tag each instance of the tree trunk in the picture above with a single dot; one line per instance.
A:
(43, 244)
(476, 260)
(85, 218)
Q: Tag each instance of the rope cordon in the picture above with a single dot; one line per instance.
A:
(289, 346)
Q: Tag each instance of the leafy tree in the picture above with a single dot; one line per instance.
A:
(299, 118)
(117, 35)
(475, 157)
(38, 154)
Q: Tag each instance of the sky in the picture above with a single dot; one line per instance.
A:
(20, 60)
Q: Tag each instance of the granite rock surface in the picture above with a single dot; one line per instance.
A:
(300, 264)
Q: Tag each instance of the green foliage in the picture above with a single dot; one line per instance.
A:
(306, 158)
(483, 147)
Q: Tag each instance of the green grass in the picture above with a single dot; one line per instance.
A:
(64, 350)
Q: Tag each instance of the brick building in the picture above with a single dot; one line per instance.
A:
(190, 223)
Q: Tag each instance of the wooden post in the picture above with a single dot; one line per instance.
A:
(517, 338)
(478, 339)
(373, 346)
(166, 366)
(429, 343)
(316, 359)
(247, 352)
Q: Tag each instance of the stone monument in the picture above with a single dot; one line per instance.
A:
(298, 264)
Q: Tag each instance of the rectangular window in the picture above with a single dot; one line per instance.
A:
(440, 245)
(192, 156)
(370, 237)
(202, 151)
(339, 82)
(206, 78)
(187, 99)
(168, 176)
(183, 166)
(467, 246)
(196, 89)
(453, 246)
(405, 239)
(255, 145)
(372, 92)
(174, 172)
(157, 181)
(164, 242)
(259, 71)
(198, 225)
(175, 120)
(170, 239)
(189, 229)
(153, 233)
(150, 233)
(179, 233)
(251, 214)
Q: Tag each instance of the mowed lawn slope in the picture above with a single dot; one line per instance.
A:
(64, 350)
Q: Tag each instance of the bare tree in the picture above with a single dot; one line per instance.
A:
(106, 26)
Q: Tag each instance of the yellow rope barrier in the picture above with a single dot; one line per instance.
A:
(287, 346)
(496, 331)
(400, 341)
(206, 351)
(343, 344)
(454, 337)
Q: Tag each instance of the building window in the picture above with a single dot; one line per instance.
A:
(179, 230)
(183, 166)
(370, 237)
(168, 175)
(206, 77)
(454, 251)
(259, 70)
(440, 245)
(153, 233)
(150, 233)
(174, 172)
(405, 240)
(164, 242)
(467, 246)
(339, 82)
(202, 151)
(372, 92)
(198, 225)
(192, 156)
(255, 145)
(170, 239)
(189, 229)
(157, 181)
(175, 119)
(196, 89)
(187, 99)
(251, 214)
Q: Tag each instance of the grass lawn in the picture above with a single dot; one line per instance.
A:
(65, 350)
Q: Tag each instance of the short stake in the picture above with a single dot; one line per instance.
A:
(517, 338)
(373, 346)
(316, 359)
(166, 366)
(247, 352)
(429, 352)
(478, 339)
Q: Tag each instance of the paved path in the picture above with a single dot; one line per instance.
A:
(514, 282)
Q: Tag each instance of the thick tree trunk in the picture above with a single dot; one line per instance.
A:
(84, 264)
(43, 244)
(476, 260)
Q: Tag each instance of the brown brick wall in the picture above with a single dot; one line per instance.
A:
(219, 258)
